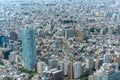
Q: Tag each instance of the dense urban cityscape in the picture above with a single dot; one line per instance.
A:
(59, 39)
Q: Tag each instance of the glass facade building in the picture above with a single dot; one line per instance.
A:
(29, 48)
(3, 41)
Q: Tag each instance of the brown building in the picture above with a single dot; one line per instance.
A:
(116, 59)
(70, 71)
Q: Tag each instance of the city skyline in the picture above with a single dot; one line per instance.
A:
(59, 40)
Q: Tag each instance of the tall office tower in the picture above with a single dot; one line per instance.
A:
(77, 67)
(89, 63)
(69, 33)
(29, 48)
(3, 41)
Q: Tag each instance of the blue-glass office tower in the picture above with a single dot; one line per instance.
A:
(3, 41)
(28, 48)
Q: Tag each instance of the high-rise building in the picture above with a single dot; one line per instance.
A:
(70, 71)
(64, 66)
(89, 63)
(69, 33)
(29, 48)
(77, 67)
(3, 41)
(41, 67)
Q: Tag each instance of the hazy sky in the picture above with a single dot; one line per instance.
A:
(41, 0)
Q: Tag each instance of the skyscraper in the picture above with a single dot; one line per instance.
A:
(3, 41)
(29, 48)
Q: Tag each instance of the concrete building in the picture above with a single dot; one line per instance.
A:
(77, 67)
(12, 56)
(89, 63)
(64, 66)
(107, 58)
(70, 71)
(41, 67)
(69, 33)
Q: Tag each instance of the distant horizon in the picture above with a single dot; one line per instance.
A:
(46, 0)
